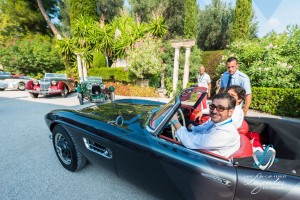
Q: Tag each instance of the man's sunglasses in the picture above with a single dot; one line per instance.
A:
(219, 108)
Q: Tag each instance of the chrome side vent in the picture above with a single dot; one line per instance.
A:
(97, 148)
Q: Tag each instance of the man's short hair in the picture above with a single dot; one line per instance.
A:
(232, 59)
(231, 100)
(241, 92)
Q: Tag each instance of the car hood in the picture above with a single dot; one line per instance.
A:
(130, 109)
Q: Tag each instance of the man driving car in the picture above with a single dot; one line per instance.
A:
(219, 135)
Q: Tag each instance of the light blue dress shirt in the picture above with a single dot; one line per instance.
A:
(238, 78)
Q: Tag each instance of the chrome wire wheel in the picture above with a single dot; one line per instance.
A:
(63, 149)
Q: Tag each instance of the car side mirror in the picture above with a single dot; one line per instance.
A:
(119, 121)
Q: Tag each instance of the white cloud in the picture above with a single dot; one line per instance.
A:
(273, 22)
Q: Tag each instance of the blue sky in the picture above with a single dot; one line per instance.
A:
(271, 14)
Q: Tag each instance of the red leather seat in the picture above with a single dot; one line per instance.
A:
(256, 139)
(244, 128)
(245, 149)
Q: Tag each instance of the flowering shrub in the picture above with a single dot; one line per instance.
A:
(273, 61)
(145, 57)
(132, 90)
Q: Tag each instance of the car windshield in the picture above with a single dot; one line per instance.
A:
(188, 97)
(94, 78)
(54, 75)
(160, 114)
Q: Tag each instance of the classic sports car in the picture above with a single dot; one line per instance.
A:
(93, 89)
(134, 139)
(52, 83)
(12, 81)
(17, 83)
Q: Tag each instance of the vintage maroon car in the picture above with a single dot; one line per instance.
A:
(52, 83)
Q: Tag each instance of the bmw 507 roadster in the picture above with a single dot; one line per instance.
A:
(134, 139)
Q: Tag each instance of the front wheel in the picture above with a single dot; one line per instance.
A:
(33, 95)
(66, 149)
(112, 96)
(64, 92)
(21, 86)
(80, 97)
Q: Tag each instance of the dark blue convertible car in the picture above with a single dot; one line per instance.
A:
(134, 139)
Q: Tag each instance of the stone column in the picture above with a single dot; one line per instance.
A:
(177, 44)
(186, 67)
(79, 66)
(175, 70)
(84, 70)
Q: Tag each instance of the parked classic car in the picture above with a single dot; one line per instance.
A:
(93, 89)
(13, 81)
(17, 82)
(52, 83)
(134, 139)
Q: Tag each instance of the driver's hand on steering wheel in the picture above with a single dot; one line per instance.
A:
(175, 121)
(175, 117)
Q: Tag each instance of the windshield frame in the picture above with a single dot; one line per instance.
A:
(94, 79)
(163, 115)
(55, 75)
(168, 110)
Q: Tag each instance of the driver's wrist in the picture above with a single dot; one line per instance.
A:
(174, 121)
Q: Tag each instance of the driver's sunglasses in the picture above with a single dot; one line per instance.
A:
(219, 108)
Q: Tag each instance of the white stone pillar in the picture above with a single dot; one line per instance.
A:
(175, 70)
(79, 67)
(84, 70)
(186, 67)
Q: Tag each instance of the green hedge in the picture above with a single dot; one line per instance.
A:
(106, 73)
(276, 101)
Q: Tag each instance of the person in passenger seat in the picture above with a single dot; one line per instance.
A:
(239, 94)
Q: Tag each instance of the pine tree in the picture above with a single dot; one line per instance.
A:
(241, 21)
(190, 19)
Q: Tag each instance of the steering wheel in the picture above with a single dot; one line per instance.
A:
(173, 127)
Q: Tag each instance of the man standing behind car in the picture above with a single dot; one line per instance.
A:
(235, 77)
(203, 80)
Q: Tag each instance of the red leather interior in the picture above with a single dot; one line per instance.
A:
(245, 149)
(244, 128)
(170, 139)
(204, 119)
(193, 115)
(255, 138)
